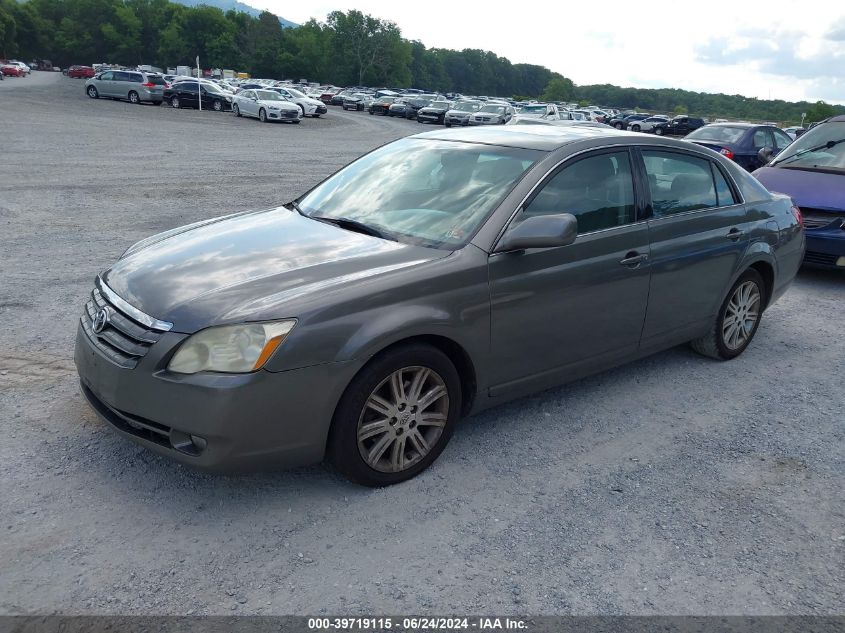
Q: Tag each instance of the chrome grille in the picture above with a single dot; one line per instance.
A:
(123, 339)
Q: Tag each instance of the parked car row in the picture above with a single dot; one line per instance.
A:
(13, 68)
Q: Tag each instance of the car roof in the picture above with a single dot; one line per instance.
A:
(540, 137)
(837, 119)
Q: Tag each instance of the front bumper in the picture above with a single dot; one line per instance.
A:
(453, 120)
(217, 422)
(826, 247)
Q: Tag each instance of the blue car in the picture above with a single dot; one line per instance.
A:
(812, 173)
(741, 142)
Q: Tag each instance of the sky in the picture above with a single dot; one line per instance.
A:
(774, 49)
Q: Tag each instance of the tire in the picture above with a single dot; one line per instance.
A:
(635, 128)
(719, 343)
(658, 131)
(302, 109)
(447, 124)
(262, 115)
(217, 105)
(618, 126)
(316, 116)
(175, 103)
(92, 92)
(371, 112)
(346, 449)
(134, 98)
(236, 110)
(297, 121)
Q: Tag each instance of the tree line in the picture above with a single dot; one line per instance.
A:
(348, 48)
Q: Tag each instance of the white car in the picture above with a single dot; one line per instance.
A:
(539, 110)
(309, 105)
(647, 124)
(265, 105)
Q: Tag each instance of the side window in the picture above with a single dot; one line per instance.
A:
(781, 139)
(723, 191)
(761, 139)
(135, 77)
(107, 76)
(121, 76)
(679, 182)
(597, 190)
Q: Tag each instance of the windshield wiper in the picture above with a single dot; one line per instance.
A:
(827, 145)
(354, 225)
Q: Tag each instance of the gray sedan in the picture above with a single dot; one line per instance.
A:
(435, 277)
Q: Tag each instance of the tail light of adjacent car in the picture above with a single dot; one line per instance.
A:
(726, 153)
(797, 213)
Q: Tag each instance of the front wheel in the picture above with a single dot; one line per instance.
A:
(618, 126)
(635, 128)
(92, 92)
(262, 115)
(236, 110)
(175, 103)
(396, 416)
(658, 131)
(737, 321)
(217, 105)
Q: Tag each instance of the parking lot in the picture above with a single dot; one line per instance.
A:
(675, 485)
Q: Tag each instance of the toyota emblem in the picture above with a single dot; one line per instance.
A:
(101, 319)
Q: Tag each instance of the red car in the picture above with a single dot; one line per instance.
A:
(12, 71)
(80, 72)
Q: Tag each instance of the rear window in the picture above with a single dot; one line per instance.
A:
(718, 133)
(156, 80)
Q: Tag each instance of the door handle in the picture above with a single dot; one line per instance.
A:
(735, 234)
(633, 259)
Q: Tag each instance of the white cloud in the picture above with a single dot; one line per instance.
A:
(694, 47)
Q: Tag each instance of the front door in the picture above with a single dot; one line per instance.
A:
(698, 234)
(555, 311)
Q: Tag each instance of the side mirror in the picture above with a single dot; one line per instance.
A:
(765, 155)
(540, 231)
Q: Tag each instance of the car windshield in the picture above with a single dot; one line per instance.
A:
(426, 192)
(717, 133)
(295, 93)
(386, 99)
(823, 147)
(269, 95)
(440, 104)
(497, 109)
(467, 106)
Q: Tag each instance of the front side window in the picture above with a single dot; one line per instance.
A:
(761, 139)
(420, 191)
(109, 76)
(781, 139)
(597, 190)
(679, 183)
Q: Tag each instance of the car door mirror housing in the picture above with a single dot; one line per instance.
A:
(540, 231)
(765, 155)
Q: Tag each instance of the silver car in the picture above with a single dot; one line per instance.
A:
(266, 105)
(134, 86)
(492, 114)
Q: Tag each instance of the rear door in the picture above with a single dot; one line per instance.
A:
(557, 310)
(698, 232)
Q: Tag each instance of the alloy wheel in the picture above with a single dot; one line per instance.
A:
(403, 419)
(741, 315)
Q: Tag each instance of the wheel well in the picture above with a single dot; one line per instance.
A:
(460, 359)
(768, 275)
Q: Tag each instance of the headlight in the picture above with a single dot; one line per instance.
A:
(230, 348)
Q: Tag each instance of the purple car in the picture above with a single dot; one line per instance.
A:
(812, 172)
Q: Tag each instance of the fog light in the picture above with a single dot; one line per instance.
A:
(841, 261)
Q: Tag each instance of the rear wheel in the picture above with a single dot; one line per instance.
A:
(635, 128)
(618, 126)
(92, 92)
(396, 416)
(737, 321)
(658, 131)
(134, 98)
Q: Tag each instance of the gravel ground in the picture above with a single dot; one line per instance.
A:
(675, 485)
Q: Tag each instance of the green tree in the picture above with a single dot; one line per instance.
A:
(559, 89)
(820, 111)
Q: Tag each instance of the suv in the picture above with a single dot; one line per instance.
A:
(134, 86)
(679, 126)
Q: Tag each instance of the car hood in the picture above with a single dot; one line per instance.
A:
(812, 189)
(431, 110)
(251, 266)
(461, 113)
(282, 105)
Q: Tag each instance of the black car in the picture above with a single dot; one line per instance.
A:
(413, 106)
(679, 126)
(357, 102)
(741, 142)
(622, 121)
(398, 108)
(184, 95)
(381, 105)
(434, 113)
(338, 99)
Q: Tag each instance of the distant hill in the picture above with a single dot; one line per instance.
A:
(227, 5)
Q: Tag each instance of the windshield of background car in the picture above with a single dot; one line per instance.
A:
(295, 93)
(440, 104)
(423, 191)
(386, 100)
(268, 95)
(533, 109)
(717, 133)
(467, 106)
(494, 109)
(823, 147)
